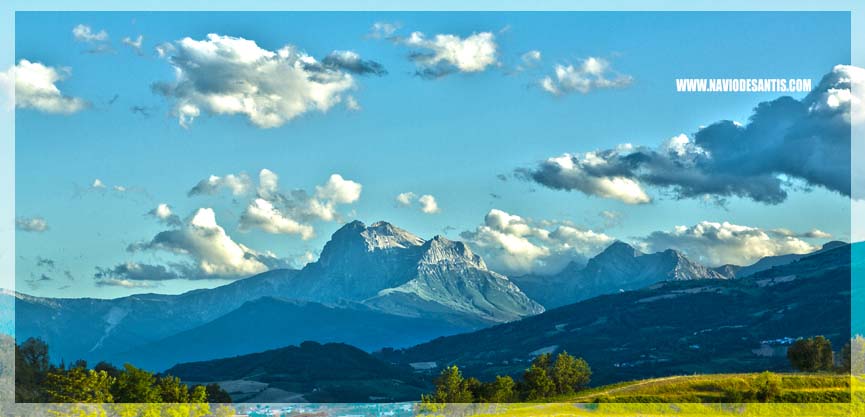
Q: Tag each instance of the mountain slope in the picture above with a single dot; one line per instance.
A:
(332, 372)
(280, 322)
(92, 328)
(449, 277)
(735, 271)
(619, 267)
(675, 327)
(396, 272)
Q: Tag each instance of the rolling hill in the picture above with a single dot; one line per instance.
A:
(332, 372)
(718, 388)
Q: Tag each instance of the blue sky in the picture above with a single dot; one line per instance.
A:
(447, 137)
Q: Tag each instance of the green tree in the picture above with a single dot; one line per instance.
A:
(108, 368)
(32, 364)
(450, 388)
(766, 387)
(171, 390)
(811, 355)
(215, 394)
(136, 386)
(570, 374)
(79, 385)
(537, 382)
(198, 394)
(857, 355)
(845, 365)
(500, 391)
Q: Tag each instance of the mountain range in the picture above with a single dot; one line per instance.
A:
(674, 327)
(373, 286)
(366, 275)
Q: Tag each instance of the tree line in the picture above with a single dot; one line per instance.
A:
(37, 380)
(544, 379)
(815, 354)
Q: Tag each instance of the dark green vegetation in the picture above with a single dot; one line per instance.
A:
(543, 380)
(38, 381)
(724, 388)
(670, 328)
(279, 322)
(812, 354)
(332, 372)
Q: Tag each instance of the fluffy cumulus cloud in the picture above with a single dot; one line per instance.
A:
(425, 203)
(211, 251)
(35, 86)
(591, 173)
(428, 204)
(338, 190)
(591, 74)
(515, 245)
(444, 54)
(716, 244)
(165, 215)
(227, 75)
(31, 224)
(405, 199)
(263, 215)
(274, 211)
(785, 142)
(236, 184)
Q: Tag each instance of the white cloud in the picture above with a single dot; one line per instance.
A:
(292, 213)
(591, 74)
(579, 172)
(234, 76)
(135, 44)
(842, 96)
(212, 250)
(83, 33)
(35, 88)
(239, 184)
(125, 283)
(405, 199)
(97, 183)
(339, 190)
(445, 53)
(164, 214)
(263, 215)
(811, 234)
(268, 183)
(382, 30)
(531, 57)
(715, 244)
(31, 224)
(428, 204)
(352, 104)
(515, 246)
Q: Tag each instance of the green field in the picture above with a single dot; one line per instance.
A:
(716, 388)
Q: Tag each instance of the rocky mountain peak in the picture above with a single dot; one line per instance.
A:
(440, 249)
(383, 235)
(355, 239)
